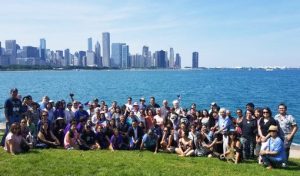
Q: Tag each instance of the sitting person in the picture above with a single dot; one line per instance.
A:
(71, 140)
(168, 142)
(117, 142)
(88, 138)
(14, 142)
(101, 140)
(25, 132)
(58, 129)
(273, 155)
(135, 134)
(46, 138)
(150, 141)
(185, 147)
(233, 150)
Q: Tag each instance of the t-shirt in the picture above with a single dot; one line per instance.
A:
(13, 107)
(276, 145)
(149, 141)
(15, 140)
(227, 123)
(285, 123)
(89, 138)
(264, 125)
(249, 128)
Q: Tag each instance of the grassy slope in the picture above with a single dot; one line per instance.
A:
(62, 162)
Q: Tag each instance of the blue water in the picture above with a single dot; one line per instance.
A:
(229, 88)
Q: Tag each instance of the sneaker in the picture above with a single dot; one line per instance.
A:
(284, 165)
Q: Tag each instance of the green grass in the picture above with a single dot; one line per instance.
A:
(63, 162)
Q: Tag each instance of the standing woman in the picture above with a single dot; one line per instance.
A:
(148, 120)
(266, 121)
(258, 117)
(185, 147)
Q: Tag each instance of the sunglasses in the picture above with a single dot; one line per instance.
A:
(266, 112)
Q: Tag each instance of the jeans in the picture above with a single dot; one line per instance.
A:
(270, 160)
(248, 147)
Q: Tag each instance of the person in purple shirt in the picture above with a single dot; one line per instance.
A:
(273, 155)
(81, 113)
(117, 142)
(59, 110)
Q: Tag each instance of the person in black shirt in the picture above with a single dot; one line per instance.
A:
(88, 138)
(248, 127)
(152, 106)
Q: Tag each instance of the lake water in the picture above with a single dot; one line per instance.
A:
(229, 88)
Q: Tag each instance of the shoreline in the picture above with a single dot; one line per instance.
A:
(294, 152)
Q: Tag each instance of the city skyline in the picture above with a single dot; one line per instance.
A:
(226, 34)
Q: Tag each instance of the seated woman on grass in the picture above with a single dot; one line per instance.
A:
(14, 142)
(71, 140)
(233, 151)
(101, 139)
(88, 138)
(117, 142)
(46, 138)
(168, 142)
(185, 147)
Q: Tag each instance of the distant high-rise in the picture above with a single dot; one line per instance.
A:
(178, 61)
(67, 57)
(116, 54)
(146, 56)
(171, 61)
(161, 59)
(98, 54)
(125, 56)
(43, 49)
(106, 49)
(90, 59)
(0, 49)
(11, 50)
(30, 51)
(195, 60)
(90, 44)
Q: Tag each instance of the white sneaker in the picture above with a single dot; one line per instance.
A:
(284, 165)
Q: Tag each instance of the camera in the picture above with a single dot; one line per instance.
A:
(71, 95)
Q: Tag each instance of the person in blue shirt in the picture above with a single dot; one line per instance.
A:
(273, 154)
(81, 113)
(150, 141)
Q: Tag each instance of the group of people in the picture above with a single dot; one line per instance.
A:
(253, 134)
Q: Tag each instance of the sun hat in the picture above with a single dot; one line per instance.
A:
(273, 128)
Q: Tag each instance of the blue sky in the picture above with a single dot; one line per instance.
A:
(224, 32)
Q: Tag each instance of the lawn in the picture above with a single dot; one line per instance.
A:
(63, 162)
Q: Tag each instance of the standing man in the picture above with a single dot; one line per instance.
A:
(12, 111)
(12, 108)
(288, 127)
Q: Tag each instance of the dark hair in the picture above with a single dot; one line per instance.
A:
(282, 104)
(14, 126)
(251, 111)
(269, 110)
(250, 104)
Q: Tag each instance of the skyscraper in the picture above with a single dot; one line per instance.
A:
(98, 54)
(171, 61)
(106, 49)
(116, 54)
(67, 57)
(43, 49)
(90, 44)
(147, 56)
(90, 59)
(11, 50)
(161, 59)
(195, 60)
(0, 49)
(125, 56)
(178, 61)
(30, 51)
